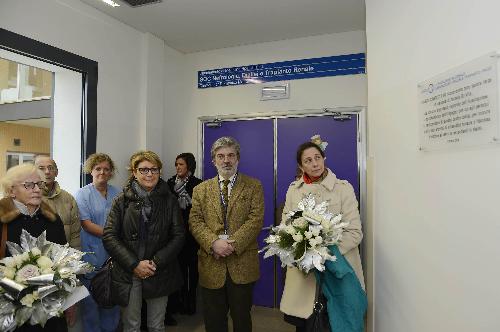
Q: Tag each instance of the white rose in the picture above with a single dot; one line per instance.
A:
(300, 222)
(290, 229)
(28, 300)
(315, 231)
(9, 272)
(47, 271)
(36, 252)
(9, 261)
(308, 234)
(319, 240)
(26, 272)
(44, 262)
(297, 237)
(19, 260)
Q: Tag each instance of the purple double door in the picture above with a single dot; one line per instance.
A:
(276, 169)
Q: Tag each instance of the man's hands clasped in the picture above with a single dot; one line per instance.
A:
(222, 248)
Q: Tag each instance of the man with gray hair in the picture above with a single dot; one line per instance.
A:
(226, 217)
(59, 200)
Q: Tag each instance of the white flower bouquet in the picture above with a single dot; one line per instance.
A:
(39, 281)
(303, 239)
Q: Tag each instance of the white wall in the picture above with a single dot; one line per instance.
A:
(185, 102)
(120, 52)
(436, 215)
(66, 126)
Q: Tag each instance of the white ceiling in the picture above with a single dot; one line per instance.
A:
(196, 25)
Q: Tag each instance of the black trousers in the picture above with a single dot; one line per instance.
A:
(233, 298)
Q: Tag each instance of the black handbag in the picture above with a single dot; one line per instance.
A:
(319, 321)
(100, 285)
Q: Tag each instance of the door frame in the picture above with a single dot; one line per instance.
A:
(37, 50)
(360, 111)
(366, 247)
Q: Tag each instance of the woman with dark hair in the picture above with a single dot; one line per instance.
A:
(300, 289)
(182, 184)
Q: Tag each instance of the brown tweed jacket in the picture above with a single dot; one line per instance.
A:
(245, 217)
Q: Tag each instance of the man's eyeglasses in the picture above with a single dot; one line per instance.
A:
(31, 185)
(49, 168)
(145, 170)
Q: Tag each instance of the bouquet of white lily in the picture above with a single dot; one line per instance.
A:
(39, 281)
(303, 239)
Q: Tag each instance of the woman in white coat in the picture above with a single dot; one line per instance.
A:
(300, 289)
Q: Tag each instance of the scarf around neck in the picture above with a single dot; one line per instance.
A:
(315, 179)
(146, 200)
(180, 189)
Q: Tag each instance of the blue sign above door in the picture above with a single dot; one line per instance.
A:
(349, 64)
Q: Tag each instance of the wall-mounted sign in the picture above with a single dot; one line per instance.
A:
(348, 64)
(459, 108)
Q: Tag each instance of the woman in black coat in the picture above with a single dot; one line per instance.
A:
(182, 185)
(144, 235)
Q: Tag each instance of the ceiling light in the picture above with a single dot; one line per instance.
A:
(111, 3)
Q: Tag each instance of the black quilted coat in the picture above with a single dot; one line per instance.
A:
(165, 238)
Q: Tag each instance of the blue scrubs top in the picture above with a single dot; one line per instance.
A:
(94, 207)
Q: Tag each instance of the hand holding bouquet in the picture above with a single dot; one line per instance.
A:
(303, 239)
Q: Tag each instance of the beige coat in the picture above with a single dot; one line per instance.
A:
(245, 217)
(299, 292)
(65, 206)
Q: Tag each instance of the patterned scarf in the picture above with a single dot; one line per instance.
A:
(309, 180)
(146, 201)
(182, 194)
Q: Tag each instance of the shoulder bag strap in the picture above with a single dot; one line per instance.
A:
(4, 241)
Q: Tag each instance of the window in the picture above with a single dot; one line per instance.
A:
(19, 82)
(18, 158)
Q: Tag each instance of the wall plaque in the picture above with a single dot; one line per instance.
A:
(459, 108)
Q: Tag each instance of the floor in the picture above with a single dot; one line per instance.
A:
(263, 319)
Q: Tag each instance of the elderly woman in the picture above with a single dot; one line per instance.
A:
(182, 185)
(144, 234)
(22, 208)
(300, 289)
(94, 202)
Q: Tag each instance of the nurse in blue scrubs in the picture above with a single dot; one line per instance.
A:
(94, 202)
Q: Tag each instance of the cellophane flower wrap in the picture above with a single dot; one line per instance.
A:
(36, 280)
(302, 240)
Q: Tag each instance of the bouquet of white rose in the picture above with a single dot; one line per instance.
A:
(303, 239)
(39, 281)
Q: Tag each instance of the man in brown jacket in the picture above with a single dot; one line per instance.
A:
(59, 200)
(226, 218)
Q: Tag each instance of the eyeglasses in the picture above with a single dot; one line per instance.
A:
(145, 170)
(31, 185)
(49, 168)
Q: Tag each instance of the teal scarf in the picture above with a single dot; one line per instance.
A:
(346, 298)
